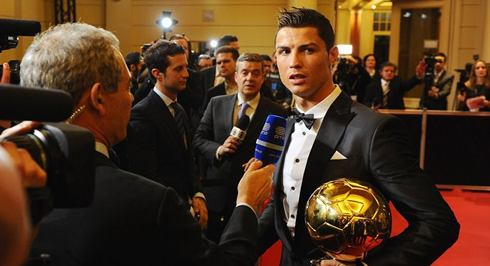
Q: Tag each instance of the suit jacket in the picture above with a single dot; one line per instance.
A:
(374, 92)
(214, 129)
(212, 92)
(444, 85)
(135, 221)
(156, 149)
(376, 148)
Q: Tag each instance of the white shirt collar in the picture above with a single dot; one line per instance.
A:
(253, 103)
(320, 110)
(384, 82)
(100, 147)
(164, 97)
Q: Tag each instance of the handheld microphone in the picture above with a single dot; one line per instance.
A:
(271, 140)
(36, 104)
(19, 27)
(238, 130)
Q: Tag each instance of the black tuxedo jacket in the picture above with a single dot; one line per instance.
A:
(444, 85)
(207, 76)
(156, 149)
(376, 149)
(214, 129)
(374, 92)
(212, 92)
(135, 221)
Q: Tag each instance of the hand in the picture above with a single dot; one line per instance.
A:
(247, 165)
(476, 102)
(420, 69)
(229, 146)
(461, 97)
(376, 107)
(5, 78)
(201, 211)
(433, 93)
(255, 186)
(32, 174)
(20, 129)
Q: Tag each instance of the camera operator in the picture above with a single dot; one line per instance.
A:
(441, 83)
(476, 91)
(352, 77)
(19, 171)
(132, 221)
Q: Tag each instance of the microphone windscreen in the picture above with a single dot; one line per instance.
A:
(271, 140)
(36, 104)
(19, 27)
(243, 122)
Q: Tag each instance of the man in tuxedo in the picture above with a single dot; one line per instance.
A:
(443, 81)
(159, 133)
(339, 138)
(387, 92)
(226, 154)
(133, 220)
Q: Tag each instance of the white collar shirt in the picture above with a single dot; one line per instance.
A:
(252, 107)
(296, 157)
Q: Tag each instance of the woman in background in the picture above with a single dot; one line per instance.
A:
(370, 63)
(476, 93)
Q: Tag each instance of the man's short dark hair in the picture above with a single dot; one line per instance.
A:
(266, 57)
(250, 57)
(387, 64)
(305, 17)
(132, 58)
(156, 55)
(442, 55)
(226, 40)
(228, 49)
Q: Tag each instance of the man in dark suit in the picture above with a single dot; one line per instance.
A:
(436, 98)
(388, 91)
(339, 138)
(225, 154)
(133, 220)
(159, 133)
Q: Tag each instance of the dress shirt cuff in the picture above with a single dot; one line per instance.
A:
(245, 204)
(218, 157)
(200, 195)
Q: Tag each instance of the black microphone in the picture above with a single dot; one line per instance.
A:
(19, 27)
(36, 104)
(239, 130)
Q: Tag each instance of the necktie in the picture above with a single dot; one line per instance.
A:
(179, 119)
(243, 110)
(386, 90)
(308, 119)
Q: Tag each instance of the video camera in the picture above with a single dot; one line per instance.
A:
(65, 152)
(431, 61)
(10, 29)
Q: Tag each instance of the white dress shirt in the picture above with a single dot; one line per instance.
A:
(296, 157)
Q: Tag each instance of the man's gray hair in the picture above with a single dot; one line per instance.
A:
(250, 57)
(72, 57)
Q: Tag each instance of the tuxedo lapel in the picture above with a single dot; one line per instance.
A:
(330, 132)
(167, 117)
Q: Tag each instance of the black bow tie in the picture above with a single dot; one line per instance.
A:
(308, 119)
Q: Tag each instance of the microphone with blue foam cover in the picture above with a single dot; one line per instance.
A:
(271, 140)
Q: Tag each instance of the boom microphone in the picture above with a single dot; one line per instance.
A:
(36, 104)
(271, 140)
(238, 130)
(19, 27)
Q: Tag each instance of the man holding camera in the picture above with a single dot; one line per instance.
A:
(443, 81)
(132, 221)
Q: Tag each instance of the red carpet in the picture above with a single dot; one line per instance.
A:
(472, 209)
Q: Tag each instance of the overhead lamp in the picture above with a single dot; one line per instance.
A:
(166, 22)
(213, 43)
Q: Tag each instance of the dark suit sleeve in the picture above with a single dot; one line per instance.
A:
(369, 96)
(267, 234)
(204, 143)
(410, 83)
(142, 146)
(188, 246)
(432, 225)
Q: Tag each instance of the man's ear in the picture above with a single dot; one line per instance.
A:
(157, 74)
(132, 68)
(97, 98)
(333, 54)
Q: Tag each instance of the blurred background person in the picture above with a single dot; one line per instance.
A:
(204, 61)
(370, 64)
(134, 64)
(477, 85)
(441, 88)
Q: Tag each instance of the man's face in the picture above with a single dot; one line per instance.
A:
(175, 77)
(184, 43)
(204, 63)
(226, 65)
(304, 62)
(441, 63)
(249, 79)
(388, 73)
(235, 44)
(267, 67)
(119, 106)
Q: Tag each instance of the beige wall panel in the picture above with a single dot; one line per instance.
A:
(92, 12)
(471, 15)
(469, 38)
(8, 8)
(342, 31)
